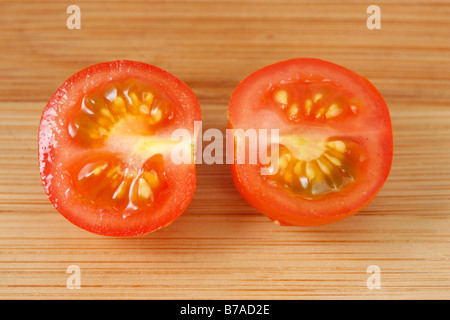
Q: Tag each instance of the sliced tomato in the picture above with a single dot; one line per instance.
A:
(335, 142)
(105, 148)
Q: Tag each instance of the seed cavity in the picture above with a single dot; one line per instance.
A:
(129, 101)
(315, 173)
(318, 103)
(107, 181)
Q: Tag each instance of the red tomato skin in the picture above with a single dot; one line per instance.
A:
(302, 217)
(92, 219)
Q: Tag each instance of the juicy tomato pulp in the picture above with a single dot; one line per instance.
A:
(105, 146)
(335, 143)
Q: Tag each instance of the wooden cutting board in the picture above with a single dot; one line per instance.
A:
(221, 247)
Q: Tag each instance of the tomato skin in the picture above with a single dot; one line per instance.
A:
(55, 147)
(285, 209)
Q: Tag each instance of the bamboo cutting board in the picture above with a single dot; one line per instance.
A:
(221, 247)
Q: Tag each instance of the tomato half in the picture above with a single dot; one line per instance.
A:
(105, 148)
(335, 143)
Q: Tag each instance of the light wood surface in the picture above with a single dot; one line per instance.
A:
(221, 247)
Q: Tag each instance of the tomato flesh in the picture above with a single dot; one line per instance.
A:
(335, 141)
(104, 148)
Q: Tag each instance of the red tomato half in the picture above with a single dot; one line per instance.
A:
(335, 141)
(105, 146)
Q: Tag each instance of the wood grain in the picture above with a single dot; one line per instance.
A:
(221, 247)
